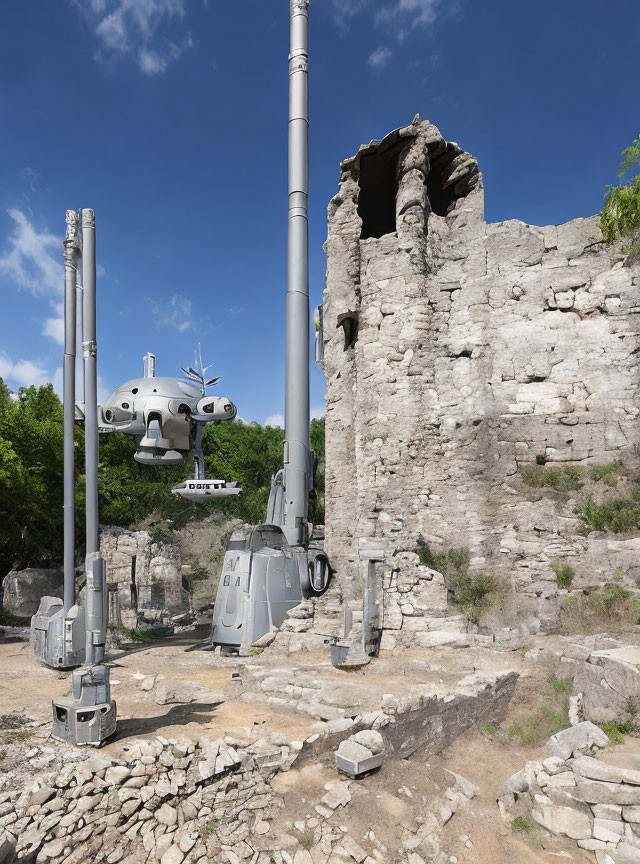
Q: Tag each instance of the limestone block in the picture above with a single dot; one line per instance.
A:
(563, 820)
(583, 738)
(609, 681)
(23, 589)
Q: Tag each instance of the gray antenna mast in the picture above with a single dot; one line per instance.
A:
(297, 450)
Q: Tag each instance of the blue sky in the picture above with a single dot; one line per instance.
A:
(169, 118)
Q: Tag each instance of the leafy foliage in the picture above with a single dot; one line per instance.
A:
(617, 514)
(568, 478)
(471, 592)
(620, 215)
(31, 477)
(564, 575)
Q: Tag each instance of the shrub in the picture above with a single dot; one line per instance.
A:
(536, 728)
(189, 581)
(8, 619)
(564, 575)
(523, 825)
(609, 474)
(471, 592)
(616, 730)
(617, 514)
(620, 217)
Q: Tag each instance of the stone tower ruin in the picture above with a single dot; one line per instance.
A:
(457, 353)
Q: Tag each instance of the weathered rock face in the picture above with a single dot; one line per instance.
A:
(23, 589)
(144, 577)
(609, 682)
(456, 353)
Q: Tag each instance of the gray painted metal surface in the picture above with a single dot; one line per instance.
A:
(90, 356)
(90, 717)
(71, 253)
(57, 628)
(273, 570)
(297, 449)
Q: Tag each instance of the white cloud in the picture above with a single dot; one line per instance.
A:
(32, 258)
(54, 327)
(134, 28)
(345, 10)
(398, 16)
(22, 373)
(380, 58)
(317, 413)
(175, 313)
(276, 420)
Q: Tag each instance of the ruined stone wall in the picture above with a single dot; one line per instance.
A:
(456, 353)
(144, 578)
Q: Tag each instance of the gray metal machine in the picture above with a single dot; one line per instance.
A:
(58, 627)
(274, 568)
(65, 633)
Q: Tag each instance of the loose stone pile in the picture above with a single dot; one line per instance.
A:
(572, 793)
(166, 800)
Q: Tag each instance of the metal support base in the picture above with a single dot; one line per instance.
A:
(90, 718)
(58, 640)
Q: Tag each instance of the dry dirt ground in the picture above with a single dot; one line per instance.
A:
(381, 801)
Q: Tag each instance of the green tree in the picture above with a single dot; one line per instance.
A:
(620, 217)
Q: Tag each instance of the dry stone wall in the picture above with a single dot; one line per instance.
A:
(456, 354)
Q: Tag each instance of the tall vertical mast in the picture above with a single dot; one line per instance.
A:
(89, 351)
(71, 250)
(297, 462)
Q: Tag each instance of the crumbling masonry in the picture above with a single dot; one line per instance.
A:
(457, 352)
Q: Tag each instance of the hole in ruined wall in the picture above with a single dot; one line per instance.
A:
(157, 595)
(378, 187)
(133, 585)
(349, 323)
(541, 460)
(441, 198)
(452, 175)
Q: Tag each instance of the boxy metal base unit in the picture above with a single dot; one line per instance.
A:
(90, 717)
(57, 640)
(262, 578)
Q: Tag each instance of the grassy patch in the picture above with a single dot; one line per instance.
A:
(617, 514)
(255, 652)
(473, 593)
(136, 635)
(560, 685)
(307, 840)
(611, 606)
(569, 478)
(211, 827)
(16, 735)
(608, 474)
(564, 575)
(616, 730)
(8, 619)
(443, 781)
(523, 825)
(536, 728)
(563, 479)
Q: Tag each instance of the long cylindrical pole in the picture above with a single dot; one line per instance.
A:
(297, 448)
(89, 352)
(69, 404)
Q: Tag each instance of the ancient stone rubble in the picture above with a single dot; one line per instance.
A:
(456, 354)
(574, 794)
